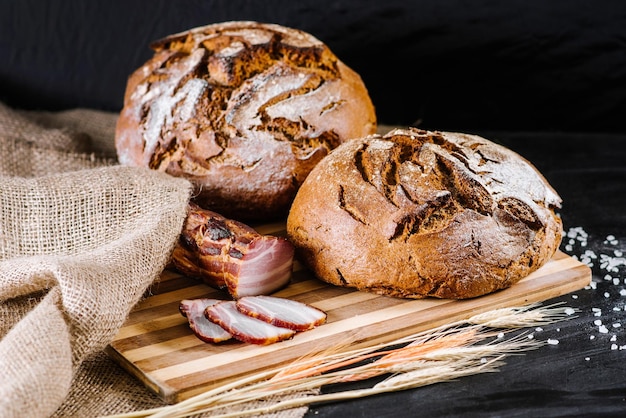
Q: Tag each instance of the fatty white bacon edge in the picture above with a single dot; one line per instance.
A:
(243, 327)
(282, 312)
(264, 268)
(226, 253)
(207, 331)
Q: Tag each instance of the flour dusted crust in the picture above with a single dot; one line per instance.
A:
(244, 110)
(420, 214)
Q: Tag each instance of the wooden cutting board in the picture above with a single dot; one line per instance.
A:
(157, 346)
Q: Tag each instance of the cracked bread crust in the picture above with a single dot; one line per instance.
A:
(418, 214)
(242, 109)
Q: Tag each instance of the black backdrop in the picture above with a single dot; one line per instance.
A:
(517, 65)
(481, 65)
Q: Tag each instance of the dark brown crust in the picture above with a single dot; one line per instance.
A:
(244, 110)
(418, 214)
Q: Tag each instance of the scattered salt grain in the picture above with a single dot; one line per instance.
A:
(553, 342)
(500, 335)
(531, 336)
(538, 329)
(587, 257)
(569, 311)
(590, 254)
(578, 233)
(611, 264)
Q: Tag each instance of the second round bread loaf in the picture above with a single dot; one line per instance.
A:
(420, 214)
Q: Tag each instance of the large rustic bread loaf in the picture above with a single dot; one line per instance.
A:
(242, 109)
(418, 214)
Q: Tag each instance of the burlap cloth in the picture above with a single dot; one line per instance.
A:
(81, 239)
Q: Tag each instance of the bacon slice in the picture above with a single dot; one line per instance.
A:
(243, 327)
(286, 313)
(227, 253)
(207, 331)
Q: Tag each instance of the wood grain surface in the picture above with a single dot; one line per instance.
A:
(157, 346)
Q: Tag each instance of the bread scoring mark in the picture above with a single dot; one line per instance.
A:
(431, 212)
(348, 208)
(297, 131)
(407, 226)
(249, 166)
(521, 211)
(359, 162)
(309, 83)
(221, 59)
(435, 289)
(443, 208)
(167, 110)
(168, 101)
(461, 171)
(342, 280)
(465, 189)
(474, 243)
(484, 159)
(331, 106)
(238, 52)
(394, 169)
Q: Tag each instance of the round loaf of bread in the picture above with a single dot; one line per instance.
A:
(418, 214)
(244, 110)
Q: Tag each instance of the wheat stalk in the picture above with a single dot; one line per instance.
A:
(441, 354)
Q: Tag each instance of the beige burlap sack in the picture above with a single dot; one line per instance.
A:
(81, 239)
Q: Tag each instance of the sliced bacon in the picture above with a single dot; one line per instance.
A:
(227, 253)
(282, 312)
(243, 327)
(207, 331)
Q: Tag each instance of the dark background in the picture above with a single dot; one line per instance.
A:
(545, 78)
(522, 65)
